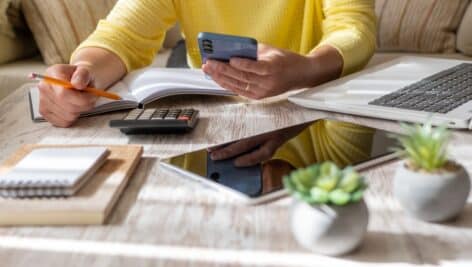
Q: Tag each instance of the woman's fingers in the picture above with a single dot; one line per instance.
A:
(236, 148)
(62, 106)
(70, 98)
(256, 67)
(81, 78)
(55, 114)
(235, 86)
(213, 66)
(260, 155)
(241, 82)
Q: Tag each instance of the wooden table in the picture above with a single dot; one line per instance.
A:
(164, 220)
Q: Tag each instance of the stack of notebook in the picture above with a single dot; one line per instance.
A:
(52, 172)
(64, 184)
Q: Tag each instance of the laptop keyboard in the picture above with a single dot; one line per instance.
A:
(440, 93)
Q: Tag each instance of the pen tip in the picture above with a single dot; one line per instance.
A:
(33, 75)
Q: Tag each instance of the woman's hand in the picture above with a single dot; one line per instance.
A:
(60, 106)
(255, 150)
(275, 72)
(90, 67)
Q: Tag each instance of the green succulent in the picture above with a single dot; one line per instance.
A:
(423, 146)
(325, 183)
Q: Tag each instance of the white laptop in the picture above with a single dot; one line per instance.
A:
(410, 89)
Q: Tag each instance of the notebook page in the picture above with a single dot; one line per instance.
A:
(153, 83)
(53, 167)
(102, 105)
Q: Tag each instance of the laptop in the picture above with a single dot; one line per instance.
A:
(411, 89)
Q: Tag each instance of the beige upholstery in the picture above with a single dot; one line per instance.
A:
(464, 35)
(14, 48)
(419, 25)
(13, 75)
(16, 41)
(60, 26)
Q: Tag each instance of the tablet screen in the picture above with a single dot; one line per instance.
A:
(255, 166)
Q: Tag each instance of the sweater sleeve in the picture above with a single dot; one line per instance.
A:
(134, 31)
(350, 27)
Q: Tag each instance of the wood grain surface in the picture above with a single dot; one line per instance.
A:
(165, 220)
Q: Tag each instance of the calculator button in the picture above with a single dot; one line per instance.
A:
(147, 114)
(183, 118)
(173, 114)
(134, 114)
(160, 114)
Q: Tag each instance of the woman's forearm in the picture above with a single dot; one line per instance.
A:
(105, 67)
(326, 64)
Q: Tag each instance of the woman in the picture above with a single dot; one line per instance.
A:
(303, 43)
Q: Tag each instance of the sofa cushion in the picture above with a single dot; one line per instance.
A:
(14, 48)
(15, 39)
(6, 27)
(14, 75)
(59, 26)
(427, 26)
(464, 35)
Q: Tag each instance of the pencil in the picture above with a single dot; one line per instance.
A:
(68, 85)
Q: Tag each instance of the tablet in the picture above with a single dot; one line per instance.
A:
(252, 169)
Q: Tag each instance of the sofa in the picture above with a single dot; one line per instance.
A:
(406, 27)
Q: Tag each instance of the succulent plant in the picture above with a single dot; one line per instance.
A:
(423, 146)
(325, 183)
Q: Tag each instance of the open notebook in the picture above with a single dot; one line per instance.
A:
(48, 172)
(145, 86)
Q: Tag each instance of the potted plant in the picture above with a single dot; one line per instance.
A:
(427, 183)
(329, 215)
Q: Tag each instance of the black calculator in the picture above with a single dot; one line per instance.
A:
(157, 120)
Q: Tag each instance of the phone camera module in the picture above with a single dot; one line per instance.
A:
(207, 46)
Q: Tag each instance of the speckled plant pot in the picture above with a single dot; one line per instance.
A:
(329, 230)
(432, 197)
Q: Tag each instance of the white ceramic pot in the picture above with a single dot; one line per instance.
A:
(431, 197)
(329, 230)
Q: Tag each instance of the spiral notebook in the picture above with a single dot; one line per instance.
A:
(52, 172)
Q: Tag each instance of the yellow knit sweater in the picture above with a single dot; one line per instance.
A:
(135, 29)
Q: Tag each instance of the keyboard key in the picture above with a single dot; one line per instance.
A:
(441, 92)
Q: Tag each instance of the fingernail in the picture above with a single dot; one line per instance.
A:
(206, 68)
(212, 155)
(75, 79)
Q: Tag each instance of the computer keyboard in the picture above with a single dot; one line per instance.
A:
(441, 92)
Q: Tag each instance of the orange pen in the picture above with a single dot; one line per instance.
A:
(68, 85)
